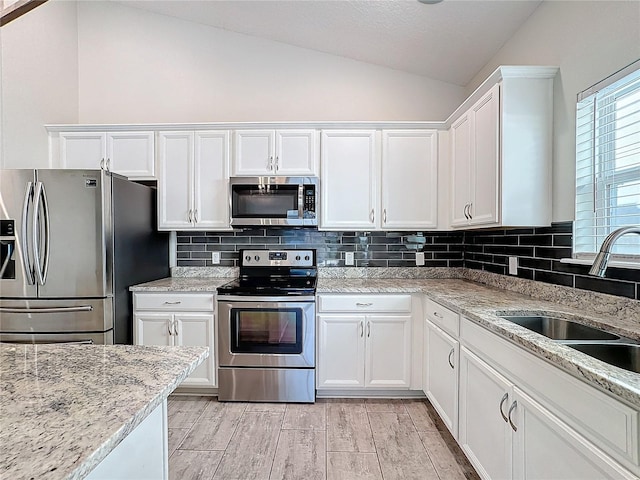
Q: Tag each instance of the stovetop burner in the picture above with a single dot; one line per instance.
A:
(274, 273)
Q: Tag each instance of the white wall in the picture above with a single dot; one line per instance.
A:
(138, 67)
(588, 40)
(39, 81)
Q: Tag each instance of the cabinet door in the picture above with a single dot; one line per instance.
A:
(84, 150)
(211, 180)
(296, 152)
(485, 159)
(409, 179)
(441, 353)
(131, 154)
(175, 180)
(545, 447)
(388, 351)
(196, 330)
(350, 165)
(484, 435)
(254, 152)
(153, 329)
(341, 351)
(460, 170)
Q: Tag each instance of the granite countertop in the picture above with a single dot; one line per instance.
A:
(64, 408)
(481, 303)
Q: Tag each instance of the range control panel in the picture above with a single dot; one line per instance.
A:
(277, 258)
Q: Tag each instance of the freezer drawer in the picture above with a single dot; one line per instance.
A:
(56, 316)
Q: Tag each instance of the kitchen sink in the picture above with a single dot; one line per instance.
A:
(621, 355)
(559, 328)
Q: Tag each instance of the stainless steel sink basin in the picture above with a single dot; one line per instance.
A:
(618, 354)
(559, 328)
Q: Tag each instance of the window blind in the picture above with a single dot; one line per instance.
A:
(608, 165)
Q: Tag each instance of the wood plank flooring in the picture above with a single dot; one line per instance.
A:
(336, 439)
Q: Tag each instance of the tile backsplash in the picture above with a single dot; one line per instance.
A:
(539, 251)
(371, 249)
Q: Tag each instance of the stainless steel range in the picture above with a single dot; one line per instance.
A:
(266, 328)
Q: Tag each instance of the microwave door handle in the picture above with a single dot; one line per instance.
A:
(26, 261)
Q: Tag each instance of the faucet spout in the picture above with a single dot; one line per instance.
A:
(602, 258)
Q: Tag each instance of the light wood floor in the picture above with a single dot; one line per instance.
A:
(331, 439)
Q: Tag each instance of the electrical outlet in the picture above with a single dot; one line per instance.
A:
(513, 265)
(419, 259)
(348, 258)
(215, 258)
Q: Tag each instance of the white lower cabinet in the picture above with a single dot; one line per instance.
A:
(440, 370)
(364, 350)
(522, 418)
(178, 319)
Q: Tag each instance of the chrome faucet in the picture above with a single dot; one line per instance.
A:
(600, 263)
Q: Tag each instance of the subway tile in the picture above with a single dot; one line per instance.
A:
(456, 263)
(556, 227)
(552, 252)
(520, 231)
(562, 240)
(604, 285)
(535, 263)
(525, 273)
(490, 267)
(537, 240)
(473, 264)
(435, 263)
(555, 278)
(558, 266)
(190, 248)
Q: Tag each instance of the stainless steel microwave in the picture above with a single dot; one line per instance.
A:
(274, 201)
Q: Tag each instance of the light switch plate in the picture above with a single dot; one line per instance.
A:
(419, 259)
(513, 265)
(215, 258)
(348, 258)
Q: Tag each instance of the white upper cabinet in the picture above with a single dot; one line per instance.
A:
(409, 179)
(374, 180)
(501, 151)
(193, 180)
(130, 154)
(350, 166)
(287, 152)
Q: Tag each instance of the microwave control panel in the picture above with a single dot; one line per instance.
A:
(309, 195)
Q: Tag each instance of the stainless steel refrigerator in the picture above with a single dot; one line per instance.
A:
(72, 242)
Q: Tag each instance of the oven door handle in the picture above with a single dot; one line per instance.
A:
(249, 299)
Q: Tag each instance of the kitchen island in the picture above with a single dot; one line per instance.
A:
(65, 408)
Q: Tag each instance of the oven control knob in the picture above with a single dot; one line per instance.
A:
(248, 258)
(306, 257)
(297, 257)
(257, 258)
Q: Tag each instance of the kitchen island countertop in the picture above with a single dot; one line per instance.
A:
(64, 408)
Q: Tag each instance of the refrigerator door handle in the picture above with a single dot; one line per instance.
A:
(28, 269)
(83, 308)
(41, 265)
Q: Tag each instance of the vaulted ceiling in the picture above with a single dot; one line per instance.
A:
(448, 41)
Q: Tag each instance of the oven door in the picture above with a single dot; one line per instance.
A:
(266, 332)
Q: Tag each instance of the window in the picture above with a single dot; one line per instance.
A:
(608, 165)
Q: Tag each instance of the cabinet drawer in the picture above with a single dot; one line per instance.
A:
(442, 317)
(364, 303)
(605, 421)
(201, 302)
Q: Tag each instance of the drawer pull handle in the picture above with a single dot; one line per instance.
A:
(175, 328)
(169, 328)
(449, 359)
(361, 328)
(511, 409)
(358, 304)
(368, 329)
(504, 399)
(173, 303)
(437, 315)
